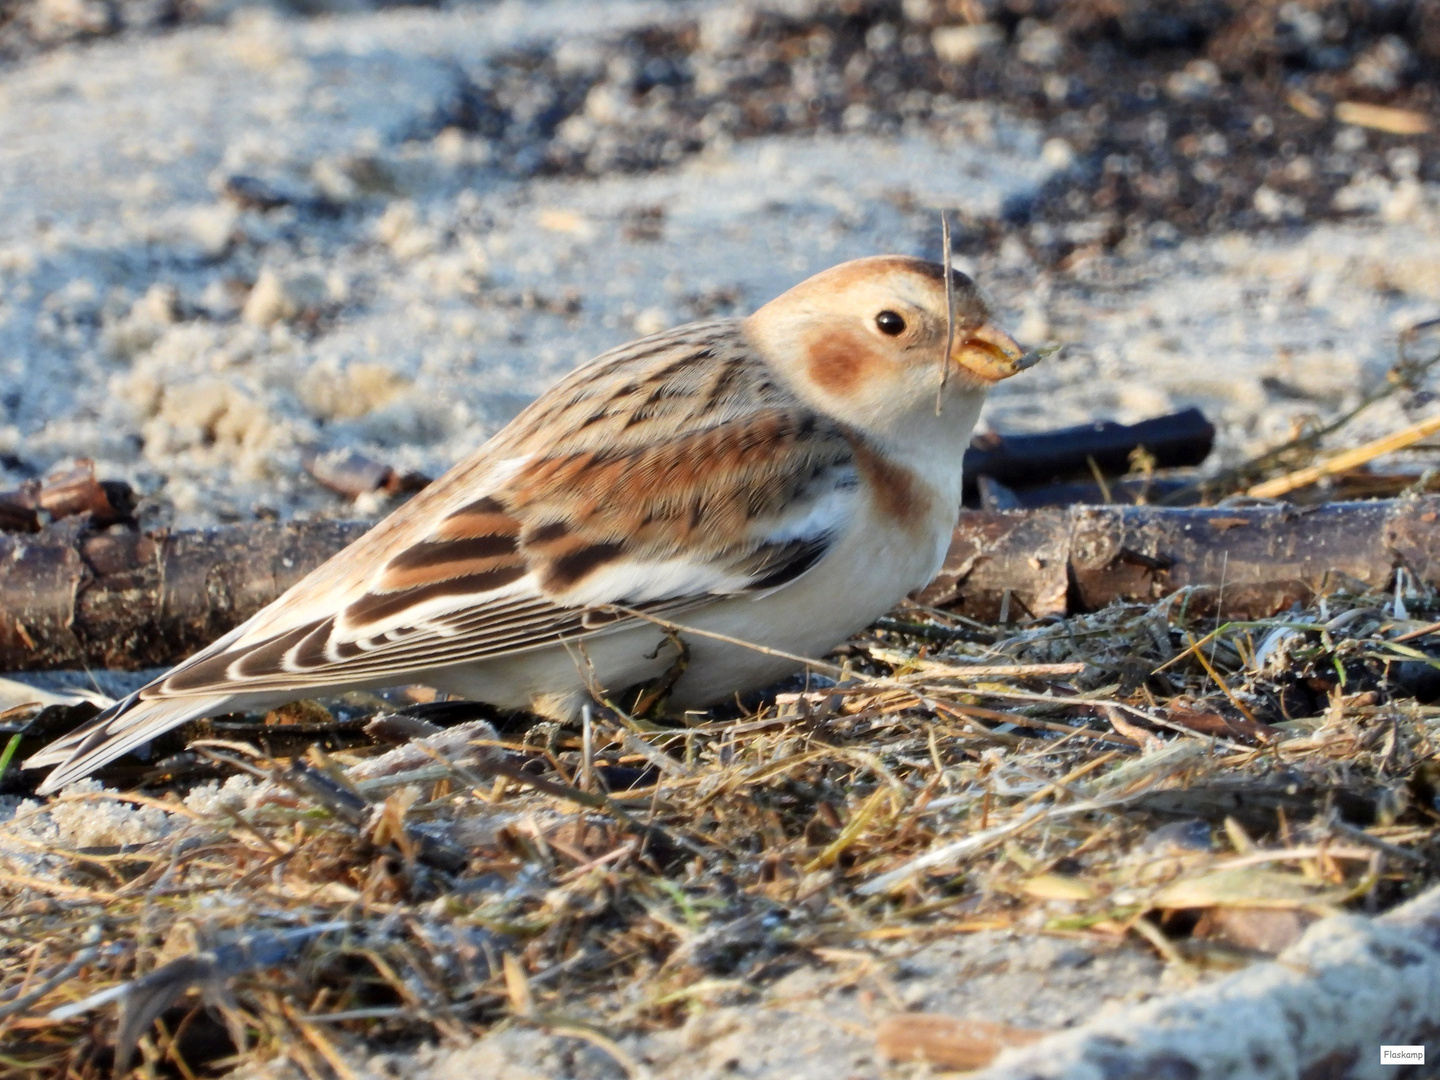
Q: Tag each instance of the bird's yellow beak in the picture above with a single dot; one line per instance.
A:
(988, 353)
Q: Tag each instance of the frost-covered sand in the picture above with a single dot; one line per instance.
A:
(199, 348)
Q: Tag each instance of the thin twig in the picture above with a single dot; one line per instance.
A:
(1346, 460)
(64, 975)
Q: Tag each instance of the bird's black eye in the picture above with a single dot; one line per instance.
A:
(890, 323)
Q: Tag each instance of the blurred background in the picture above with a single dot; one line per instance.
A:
(236, 238)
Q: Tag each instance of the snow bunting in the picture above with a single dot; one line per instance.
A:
(783, 480)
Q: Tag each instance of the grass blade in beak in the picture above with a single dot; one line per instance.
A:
(949, 311)
(1034, 356)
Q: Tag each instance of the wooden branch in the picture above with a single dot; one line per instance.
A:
(1323, 1008)
(124, 599)
(72, 597)
(1253, 561)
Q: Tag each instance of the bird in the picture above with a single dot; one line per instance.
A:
(770, 484)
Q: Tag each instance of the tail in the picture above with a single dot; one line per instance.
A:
(129, 723)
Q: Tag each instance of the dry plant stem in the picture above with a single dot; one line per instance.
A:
(318, 1040)
(64, 975)
(1415, 635)
(1405, 372)
(949, 311)
(950, 669)
(1323, 1008)
(679, 628)
(1385, 118)
(1209, 667)
(1349, 459)
(601, 1042)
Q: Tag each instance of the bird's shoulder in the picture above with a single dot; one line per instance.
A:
(698, 375)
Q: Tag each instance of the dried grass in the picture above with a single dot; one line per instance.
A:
(1173, 781)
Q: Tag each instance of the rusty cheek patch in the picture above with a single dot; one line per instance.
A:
(894, 488)
(840, 363)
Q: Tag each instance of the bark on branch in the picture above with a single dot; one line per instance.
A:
(1252, 561)
(124, 599)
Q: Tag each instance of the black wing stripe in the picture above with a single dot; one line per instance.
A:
(319, 648)
(270, 658)
(445, 560)
(381, 606)
(773, 565)
(262, 659)
(433, 554)
(570, 569)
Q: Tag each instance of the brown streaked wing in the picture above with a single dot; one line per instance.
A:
(557, 415)
(696, 449)
(733, 452)
(702, 494)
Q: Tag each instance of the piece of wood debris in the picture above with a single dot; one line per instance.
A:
(1027, 461)
(1056, 562)
(75, 491)
(1267, 930)
(126, 599)
(948, 1042)
(67, 493)
(20, 509)
(352, 474)
(1382, 118)
(1306, 105)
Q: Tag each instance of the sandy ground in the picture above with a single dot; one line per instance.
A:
(412, 294)
(820, 1022)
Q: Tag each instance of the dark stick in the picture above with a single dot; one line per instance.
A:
(1023, 461)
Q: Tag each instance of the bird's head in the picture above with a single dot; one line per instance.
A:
(864, 341)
